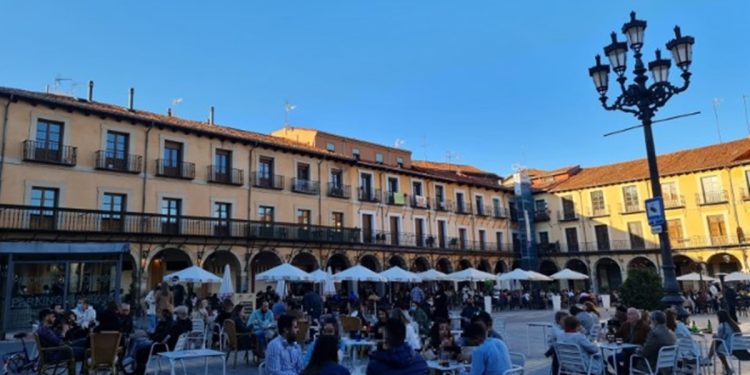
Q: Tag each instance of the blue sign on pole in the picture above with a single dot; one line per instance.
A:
(655, 211)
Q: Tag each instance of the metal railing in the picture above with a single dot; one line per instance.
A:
(541, 215)
(462, 208)
(712, 197)
(567, 216)
(267, 181)
(396, 198)
(231, 176)
(443, 205)
(482, 210)
(170, 168)
(49, 152)
(419, 201)
(499, 213)
(674, 201)
(631, 208)
(404, 239)
(339, 191)
(111, 161)
(599, 212)
(371, 195)
(305, 186)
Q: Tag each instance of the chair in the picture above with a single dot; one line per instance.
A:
(198, 334)
(516, 370)
(690, 357)
(232, 340)
(262, 368)
(350, 324)
(572, 360)
(46, 362)
(517, 359)
(740, 349)
(667, 359)
(153, 363)
(105, 346)
(304, 330)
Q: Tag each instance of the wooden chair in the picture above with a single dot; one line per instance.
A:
(667, 359)
(102, 355)
(231, 339)
(304, 330)
(47, 363)
(350, 324)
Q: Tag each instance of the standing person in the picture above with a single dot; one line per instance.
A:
(284, 356)
(420, 317)
(441, 305)
(324, 359)
(730, 298)
(722, 344)
(178, 292)
(150, 302)
(489, 357)
(164, 299)
(312, 304)
(397, 357)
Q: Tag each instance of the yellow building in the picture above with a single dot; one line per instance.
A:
(593, 220)
(96, 197)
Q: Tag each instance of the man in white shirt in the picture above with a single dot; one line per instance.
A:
(85, 314)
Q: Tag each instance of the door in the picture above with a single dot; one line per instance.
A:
(223, 165)
(419, 231)
(711, 189)
(439, 196)
(172, 158)
(367, 227)
(365, 186)
(569, 209)
(602, 237)
(717, 230)
(46, 200)
(265, 172)
(49, 136)
(171, 210)
(635, 231)
(676, 238)
(460, 202)
(395, 230)
(117, 150)
(571, 237)
(441, 234)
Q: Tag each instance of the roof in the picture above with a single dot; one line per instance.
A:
(540, 173)
(679, 162)
(433, 165)
(465, 174)
(355, 140)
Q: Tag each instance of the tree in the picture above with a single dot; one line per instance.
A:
(642, 290)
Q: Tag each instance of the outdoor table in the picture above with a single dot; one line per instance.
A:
(453, 366)
(192, 354)
(541, 325)
(614, 348)
(455, 320)
(352, 343)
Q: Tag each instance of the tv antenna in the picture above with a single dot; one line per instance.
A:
(398, 143)
(288, 107)
(652, 122)
(450, 157)
(716, 103)
(747, 122)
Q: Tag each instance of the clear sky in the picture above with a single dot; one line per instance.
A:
(496, 82)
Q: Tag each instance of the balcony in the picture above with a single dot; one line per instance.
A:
(563, 216)
(674, 201)
(548, 248)
(482, 211)
(339, 191)
(463, 208)
(92, 222)
(172, 169)
(712, 197)
(226, 176)
(110, 161)
(305, 186)
(395, 198)
(499, 213)
(368, 195)
(599, 212)
(50, 153)
(707, 241)
(443, 205)
(419, 201)
(401, 239)
(267, 181)
(629, 208)
(541, 215)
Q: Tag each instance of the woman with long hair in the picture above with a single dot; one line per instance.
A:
(591, 308)
(325, 359)
(722, 344)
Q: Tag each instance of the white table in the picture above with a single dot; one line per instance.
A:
(192, 354)
(543, 326)
(453, 366)
(353, 344)
(614, 348)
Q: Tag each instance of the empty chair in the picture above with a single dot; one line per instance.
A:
(514, 371)
(103, 353)
(517, 359)
(690, 358)
(153, 362)
(667, 359)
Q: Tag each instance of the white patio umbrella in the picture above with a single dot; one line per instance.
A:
(536, 276)
(516, 274)
(568, 274)
(194, 274)
(397, 274)
(227, 287)
(694, 276)
(358, 273)
(281, 288)
(319, 276)
(432, 275)
(470, 274)
(737, 276)
(285, 272)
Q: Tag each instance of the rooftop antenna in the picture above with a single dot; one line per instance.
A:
(398, 143)
(716, 103)
(288, 107)
(450, 157)
(58, 86)
(174, 103)
(747, 122)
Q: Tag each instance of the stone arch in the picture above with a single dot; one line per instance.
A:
(578, 266)
(484, 265)
(641, 263)
(514, 265)
(215, 263)
(166, 261)
(464, 264)
(547, 267)
(420, 264)
(261, 262)
(397, 260)
(608, 274)
(501, 267)
(305, 261)
(444, 265)
(338, 262)
(684, 264)
(370, 261)
(723, 263)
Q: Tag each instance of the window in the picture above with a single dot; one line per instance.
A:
(222, 162)
(669, 194)
(355, 153)
(717, 229)
(303, 216)
(337, 178)
(442, 231)
(265, 214)
(540, 205)
(400, 162)
(482, 239)
(571, 238)
(379, 158)
(419, 231)
(499, 240)
(265, 168)
(365, 187)
(337, 219)
(440, 198)
(116, 154)
(416, 188)
(331, 147)
(49, 139)
(460, 202)
(602, 237)
(635, 232)
(630, 197)
(569, 208)
(223, 213)
(368, 228)
(172, 155)
(171, 210)
(392, 185)
(674, 226)
(711, 189)
(303, 171)
(43, 198)
(395, 222)
(462, 238)
(597, 203)
(114, 205)
(543, 238)
(479, 201)
(497, 209)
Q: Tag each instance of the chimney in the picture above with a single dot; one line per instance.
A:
(169, 112)
(91, 91)
(211, 115)
(130, 98)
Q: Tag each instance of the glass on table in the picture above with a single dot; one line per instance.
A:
(619, 341)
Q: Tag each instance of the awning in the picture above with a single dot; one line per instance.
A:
(63, 248)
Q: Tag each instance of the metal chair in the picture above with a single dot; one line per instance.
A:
(198, 334)
(153, 363)
(517, 359)
(573, 361)
(667, 359)
(740, 349)
(262, 368)
(516, 370)
(690, 357)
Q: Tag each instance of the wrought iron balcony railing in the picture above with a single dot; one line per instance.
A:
(49, 152)
(482, 210)
(630, 208)
(339, 191)
(443, 205)
(541, 215)
(305, 186)
(369, 195)
(419, 201)
(223, 175)
(463, 208)
(567, 216)
(117, 162)
(712, 197)
(267, 181)
(599, 211)
(170, 168)
(499, 213)
(403, 239)
(674, 201)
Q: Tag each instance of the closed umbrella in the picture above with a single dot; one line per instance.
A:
(227, 287)
(329, 288)
(194, 274)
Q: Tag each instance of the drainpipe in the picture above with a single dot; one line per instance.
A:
(320, 196)
(582, 219)
(248, 270)
(143, 211)
(5, 140)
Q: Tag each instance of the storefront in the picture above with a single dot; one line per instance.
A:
(37, 275)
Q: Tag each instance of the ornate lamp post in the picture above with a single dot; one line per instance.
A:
(643, 101)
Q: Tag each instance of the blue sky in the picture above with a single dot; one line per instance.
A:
(496, 82)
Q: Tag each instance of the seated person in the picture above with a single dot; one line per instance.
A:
(85, 314)
(240, 322)
(284, 356)
(330, 328)
(558, 331)
(491, 356)
(74, 332)
(573, 335)
(397, 357)
(441, 341)
(486, 319)
(48, 338)
(262, 322)
(181, 325)
(109, 319)
(659, 336)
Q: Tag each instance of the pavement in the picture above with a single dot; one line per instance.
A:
(520, 337)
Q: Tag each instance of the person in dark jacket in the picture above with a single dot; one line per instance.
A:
(397, 357)
(180, 326)
(109, 319)
(312, 304)
(441, 305)
(325, 358)
(178, 292)
(659, 337)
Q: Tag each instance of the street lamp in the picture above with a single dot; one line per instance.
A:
(643, 101)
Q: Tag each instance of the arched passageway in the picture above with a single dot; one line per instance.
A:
(608, 275)
(165, 262)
